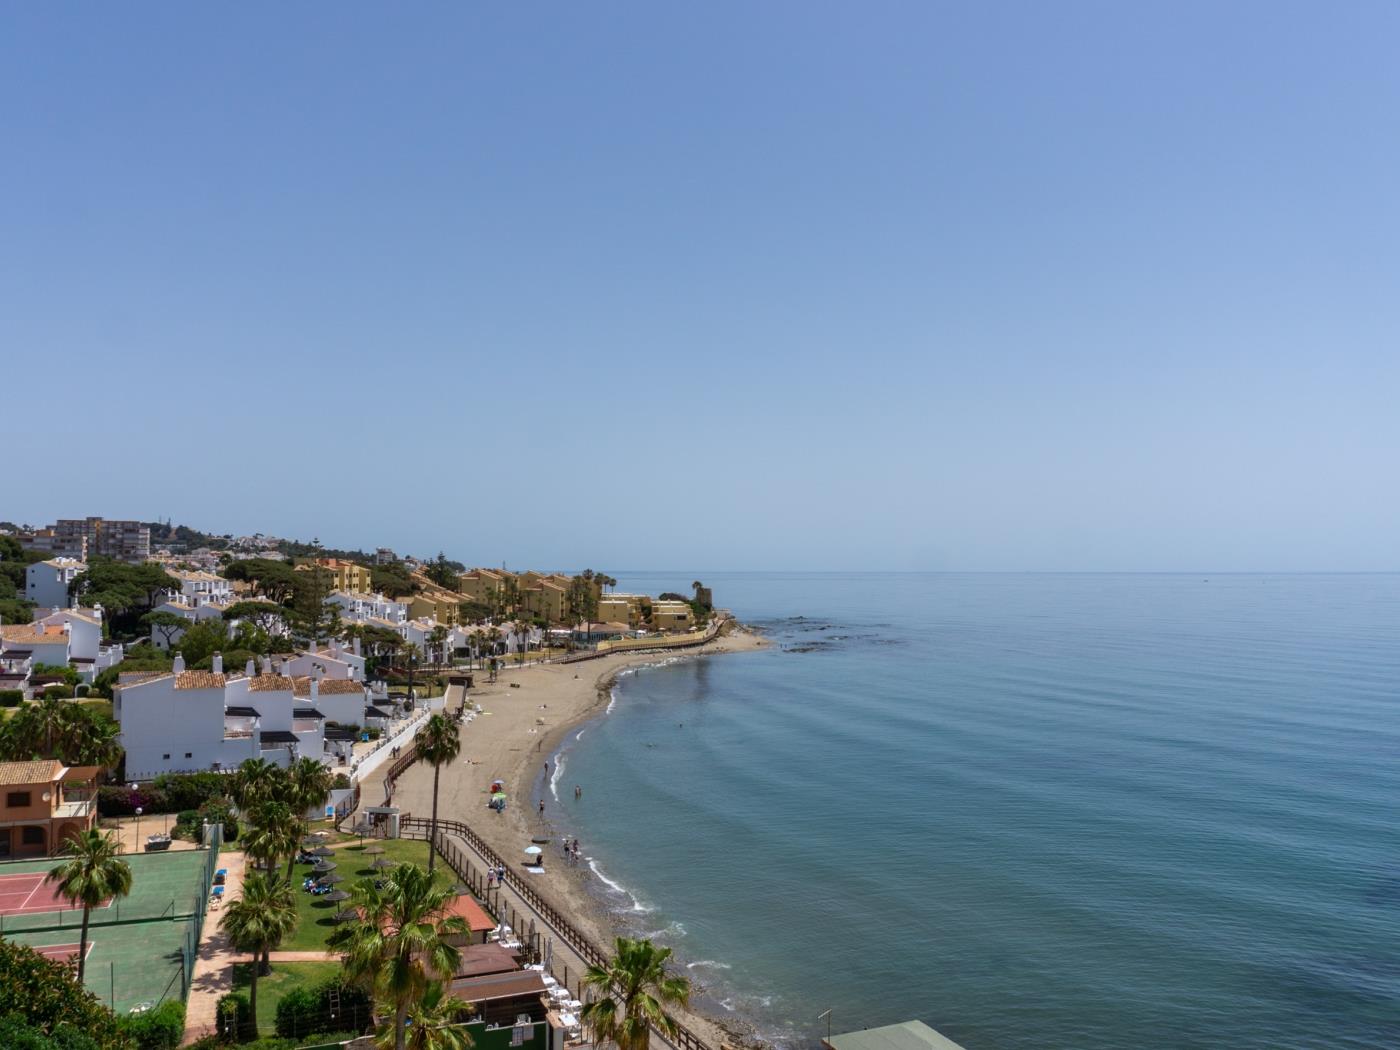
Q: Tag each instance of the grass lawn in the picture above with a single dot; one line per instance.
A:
(283, 978)
(316, 913)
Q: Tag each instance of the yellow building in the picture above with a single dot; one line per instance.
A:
(345, 575)
(671, 616)
(615, 608)
(546, 598)
(482, 585)
(434, 603)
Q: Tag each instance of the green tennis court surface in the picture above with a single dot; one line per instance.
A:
(139, 945)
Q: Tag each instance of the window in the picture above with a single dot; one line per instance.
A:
(165, 756)
(31, 836)
(189, 754)
(17, 799)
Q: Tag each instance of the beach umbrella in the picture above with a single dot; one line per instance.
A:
(382, 864)
(533, 851)
(331, 879)
(374, 851)
(323, 851)
(336, 896)
(323, 866)
(348, 915)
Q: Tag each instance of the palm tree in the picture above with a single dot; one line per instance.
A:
(437, 742)
(257, 922)
(636, 991)
(273, 833)
(308, 784)
(436, 1023)
(436, 637)
(398, 947)
(92, 874)
(257, 780)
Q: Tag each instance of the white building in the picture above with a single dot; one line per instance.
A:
(195, 720)
(357, 608)
(88, 654)
(201, 588)
(47, 582)
(332, 661)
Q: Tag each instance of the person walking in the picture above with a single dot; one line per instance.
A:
(542, 809)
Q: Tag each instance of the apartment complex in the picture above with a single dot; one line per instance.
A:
(83, 538)
(344, 575)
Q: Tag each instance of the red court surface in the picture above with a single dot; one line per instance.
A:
(24, 893)
(62, 952)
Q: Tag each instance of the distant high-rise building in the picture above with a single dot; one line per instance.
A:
(84, 538)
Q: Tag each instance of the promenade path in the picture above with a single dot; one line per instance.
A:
(213, 964)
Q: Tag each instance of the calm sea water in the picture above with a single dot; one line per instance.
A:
(1060, 811)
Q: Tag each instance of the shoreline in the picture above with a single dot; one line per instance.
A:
(527, 717)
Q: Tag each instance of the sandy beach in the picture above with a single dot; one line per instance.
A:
(524, 716)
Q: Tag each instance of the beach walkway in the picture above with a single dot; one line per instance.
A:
(213, 964)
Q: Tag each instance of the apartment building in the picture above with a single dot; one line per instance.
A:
(81, 538)
(45, 802)
(47, 582)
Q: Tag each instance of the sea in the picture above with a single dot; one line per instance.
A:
(1034, 811)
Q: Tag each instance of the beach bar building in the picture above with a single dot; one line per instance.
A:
(911, 1035)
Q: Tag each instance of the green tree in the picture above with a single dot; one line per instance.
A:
(442, 571)
(394, 580)
(437, 743)
(92, 874)
(165, 624)
(275, 580)
(308, 784)
(634, 991)
(436, 1023)
(257, 780)
(257, 922)
(436, 639)
(202, 640)
(268, 617)
(47, 998)
(399, 945)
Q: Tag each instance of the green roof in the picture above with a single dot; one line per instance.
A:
(911, 1035)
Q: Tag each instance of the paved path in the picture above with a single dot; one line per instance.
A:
(213, 965)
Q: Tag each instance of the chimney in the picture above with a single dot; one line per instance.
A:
(251, 668)
(179, 664)
(286, 668)
(315, 690)
(356, 644)
(267, 665)
(217, 665)
(335, 648)
(316, 671)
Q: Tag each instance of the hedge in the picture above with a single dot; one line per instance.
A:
(307, 1011)
(160, 1029)
(11, 697)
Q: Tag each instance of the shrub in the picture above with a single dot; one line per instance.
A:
(11, 697)
(160, 1029)
(82, 690)
(342, 781)
(16, 1034)
(45, 995)
(235, 1016)
(58, 692)
(220, 811)
(122, 801)
(308, 1011)
(191, 790)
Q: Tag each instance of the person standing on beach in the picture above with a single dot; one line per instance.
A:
(542, 809)
(578, 792)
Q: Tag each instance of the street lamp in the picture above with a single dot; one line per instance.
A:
(138, 829)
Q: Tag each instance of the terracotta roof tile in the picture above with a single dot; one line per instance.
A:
(41, 772)
(199, 680)
(269, 683)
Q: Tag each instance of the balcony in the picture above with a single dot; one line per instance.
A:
(77, 809)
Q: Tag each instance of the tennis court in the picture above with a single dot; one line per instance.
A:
(21, 893)
(62, 952)
(140, 947)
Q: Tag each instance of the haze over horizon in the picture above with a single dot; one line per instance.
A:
(802, 286)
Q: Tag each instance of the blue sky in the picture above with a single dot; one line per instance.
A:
(733, 286)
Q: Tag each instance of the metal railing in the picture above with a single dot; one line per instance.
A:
(419, 828)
